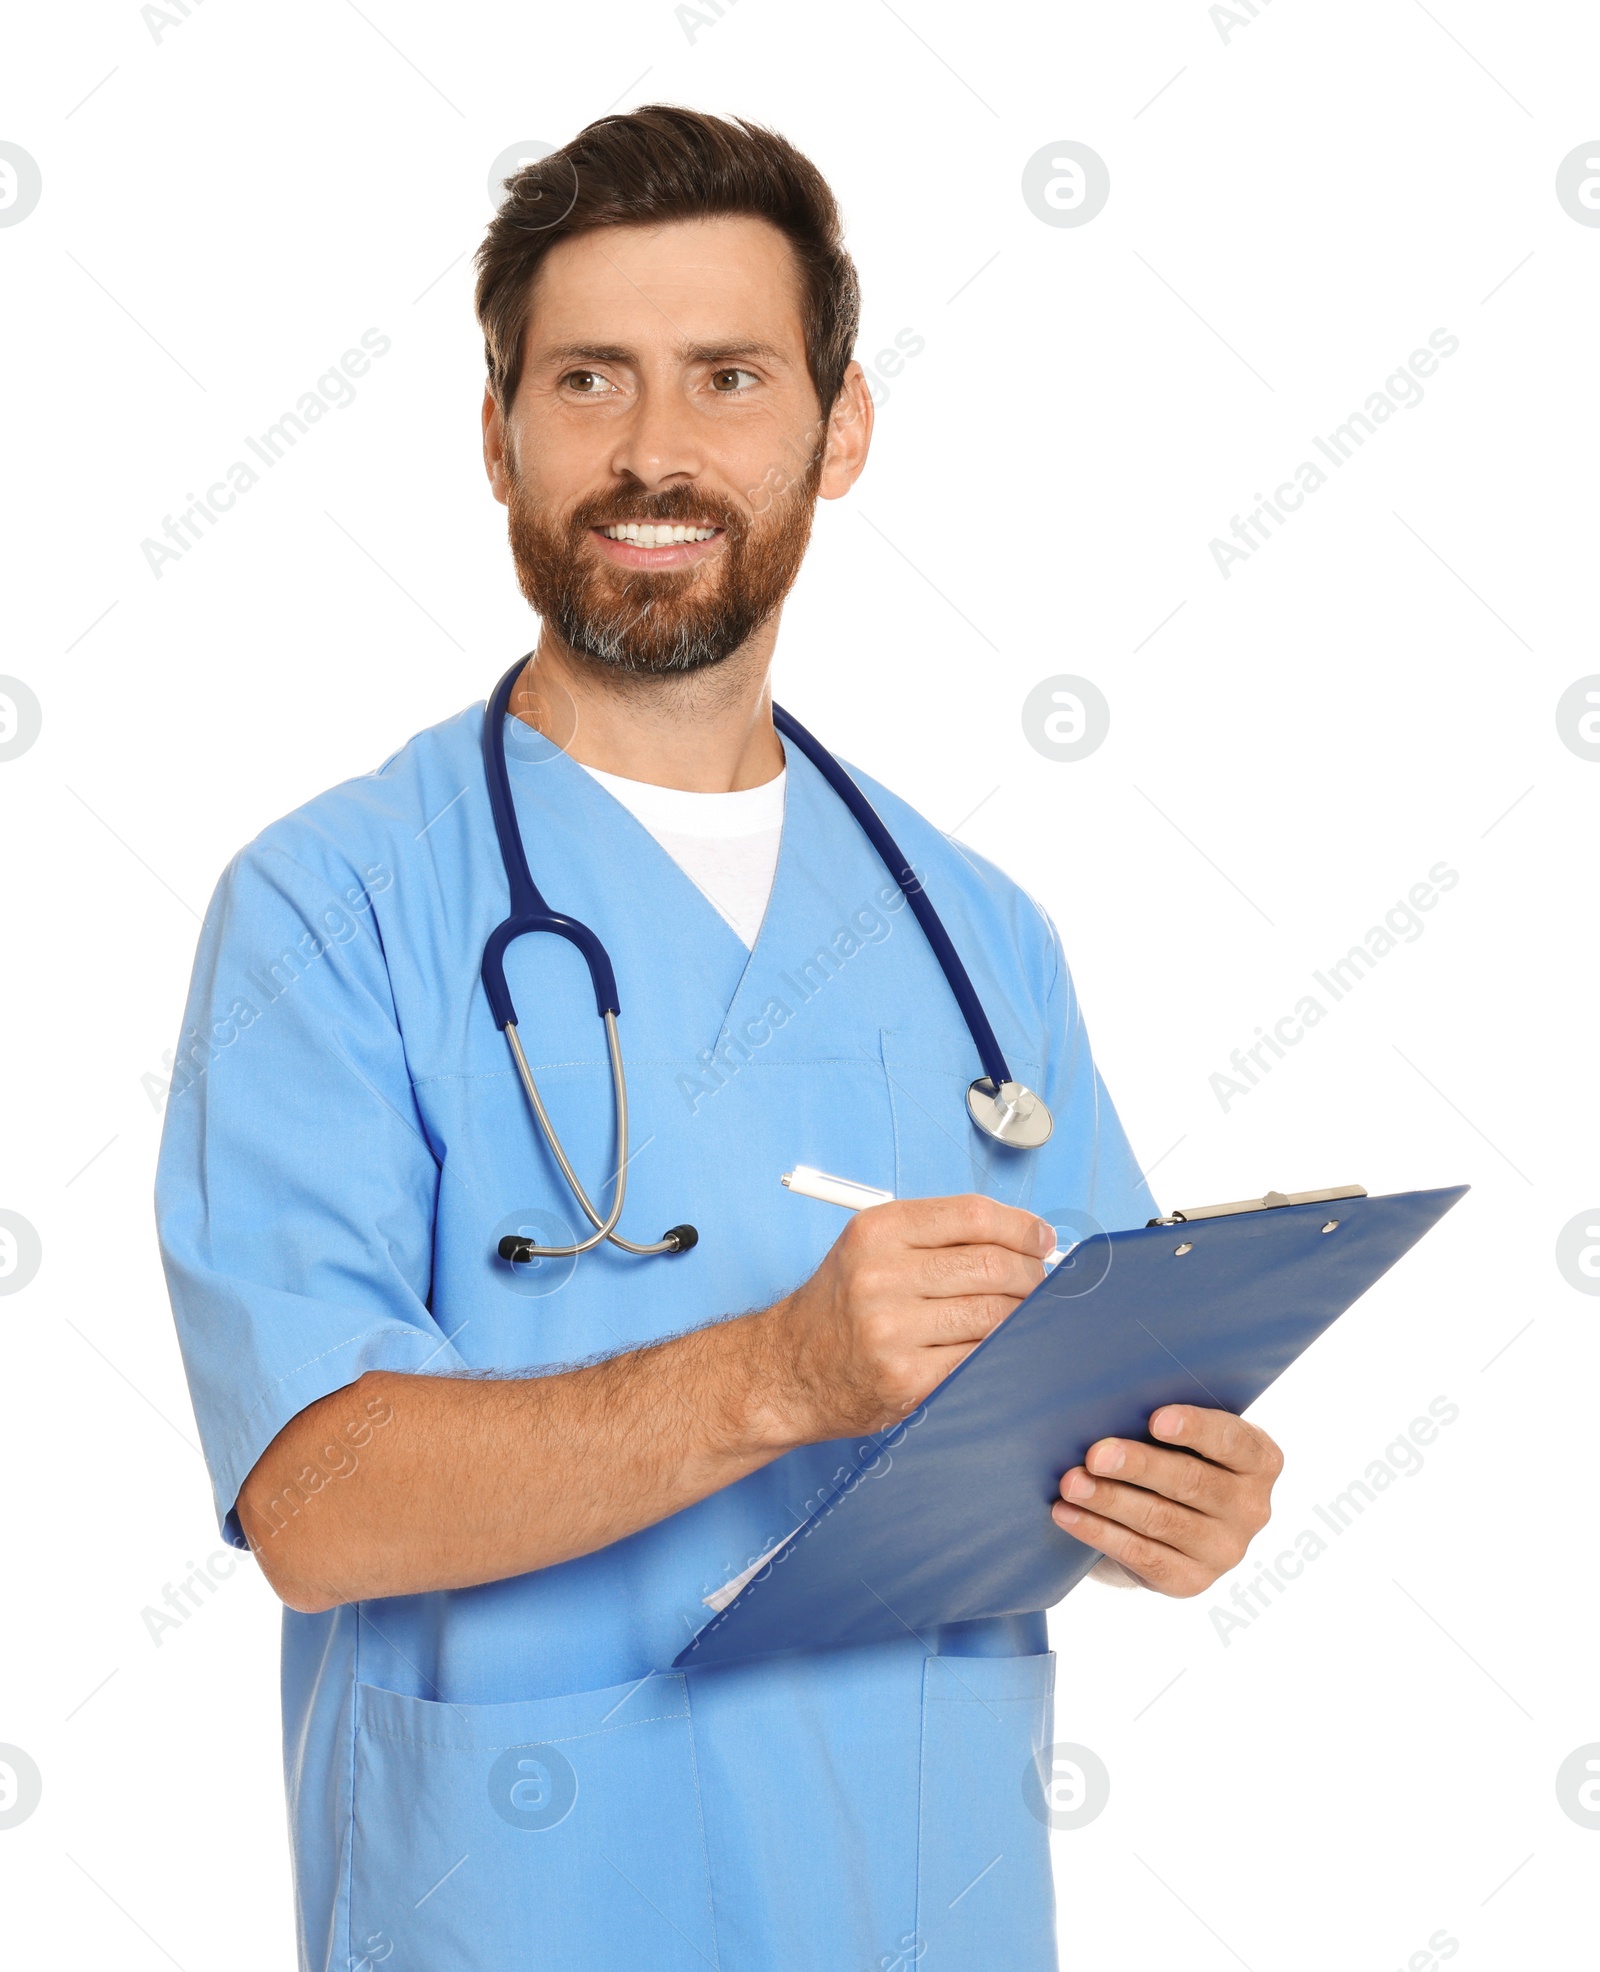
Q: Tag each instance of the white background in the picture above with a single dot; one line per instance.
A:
(1373, 1759)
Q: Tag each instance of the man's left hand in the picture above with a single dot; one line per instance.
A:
(1176, 1520)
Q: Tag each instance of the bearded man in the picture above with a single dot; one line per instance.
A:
(493, 1441)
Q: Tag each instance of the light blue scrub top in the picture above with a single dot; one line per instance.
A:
(345, 1144)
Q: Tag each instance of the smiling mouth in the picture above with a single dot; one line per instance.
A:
(655, 544)
(656, 534)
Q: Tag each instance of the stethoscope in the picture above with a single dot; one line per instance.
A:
(1001, 1106)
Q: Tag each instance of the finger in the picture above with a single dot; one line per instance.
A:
(962, 1320)
(906, 1328)
(1219, 1436)
(970, 1220)
(1196, 1482)
(945, 1270)
(1156, 1565)
(1197, 1535)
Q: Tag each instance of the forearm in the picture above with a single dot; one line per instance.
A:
(402, 1484)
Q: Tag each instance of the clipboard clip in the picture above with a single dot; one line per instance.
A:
(1264, 1204)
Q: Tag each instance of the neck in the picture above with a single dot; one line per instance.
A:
(709, 732)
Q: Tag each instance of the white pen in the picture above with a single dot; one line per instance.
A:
(810, 1183)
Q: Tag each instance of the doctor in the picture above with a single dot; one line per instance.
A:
(493, 1493)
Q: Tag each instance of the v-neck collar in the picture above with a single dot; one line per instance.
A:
(785, 910)
(594, 860)
(685, 977)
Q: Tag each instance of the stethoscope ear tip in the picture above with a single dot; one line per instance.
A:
(678, 1239)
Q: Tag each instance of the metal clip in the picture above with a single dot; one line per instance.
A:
(1267, 1202)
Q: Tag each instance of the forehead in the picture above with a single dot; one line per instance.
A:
(653, 286)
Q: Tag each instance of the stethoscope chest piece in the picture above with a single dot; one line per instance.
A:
(1011, 1114)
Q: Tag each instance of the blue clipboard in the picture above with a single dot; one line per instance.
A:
(947, 1517)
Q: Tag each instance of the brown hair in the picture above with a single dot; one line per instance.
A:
(657, 164)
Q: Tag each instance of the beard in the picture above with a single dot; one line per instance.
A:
(660, 622)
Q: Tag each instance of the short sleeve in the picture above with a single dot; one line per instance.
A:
(295, 1189)
(1088, 1128)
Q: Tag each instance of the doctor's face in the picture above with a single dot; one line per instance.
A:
(665, 452)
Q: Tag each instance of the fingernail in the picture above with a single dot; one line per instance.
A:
(1066, 1516)
(1168, 1423)
(1046, 1237)
(1108, 1458)
(1079, 1487)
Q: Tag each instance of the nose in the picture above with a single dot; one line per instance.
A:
(659, 444)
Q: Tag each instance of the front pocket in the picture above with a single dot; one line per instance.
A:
(552, 1832)
(984, 1891)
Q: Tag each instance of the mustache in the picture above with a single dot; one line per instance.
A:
(664, 621)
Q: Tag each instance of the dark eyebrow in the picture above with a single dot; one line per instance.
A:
(692, 352)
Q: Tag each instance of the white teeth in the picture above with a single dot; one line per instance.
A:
(646, 534)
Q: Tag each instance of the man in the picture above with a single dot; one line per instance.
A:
(494, 1494)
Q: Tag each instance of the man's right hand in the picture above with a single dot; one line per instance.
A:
(476, 1479)
(906, 1291)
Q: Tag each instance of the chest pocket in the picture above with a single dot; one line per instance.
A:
(938, 1149)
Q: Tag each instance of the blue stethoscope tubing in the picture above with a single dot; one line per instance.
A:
(999, 1105)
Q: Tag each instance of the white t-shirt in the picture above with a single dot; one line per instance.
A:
(726, 844)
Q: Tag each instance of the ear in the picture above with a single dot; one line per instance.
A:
(849, 436)
(495, 448)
